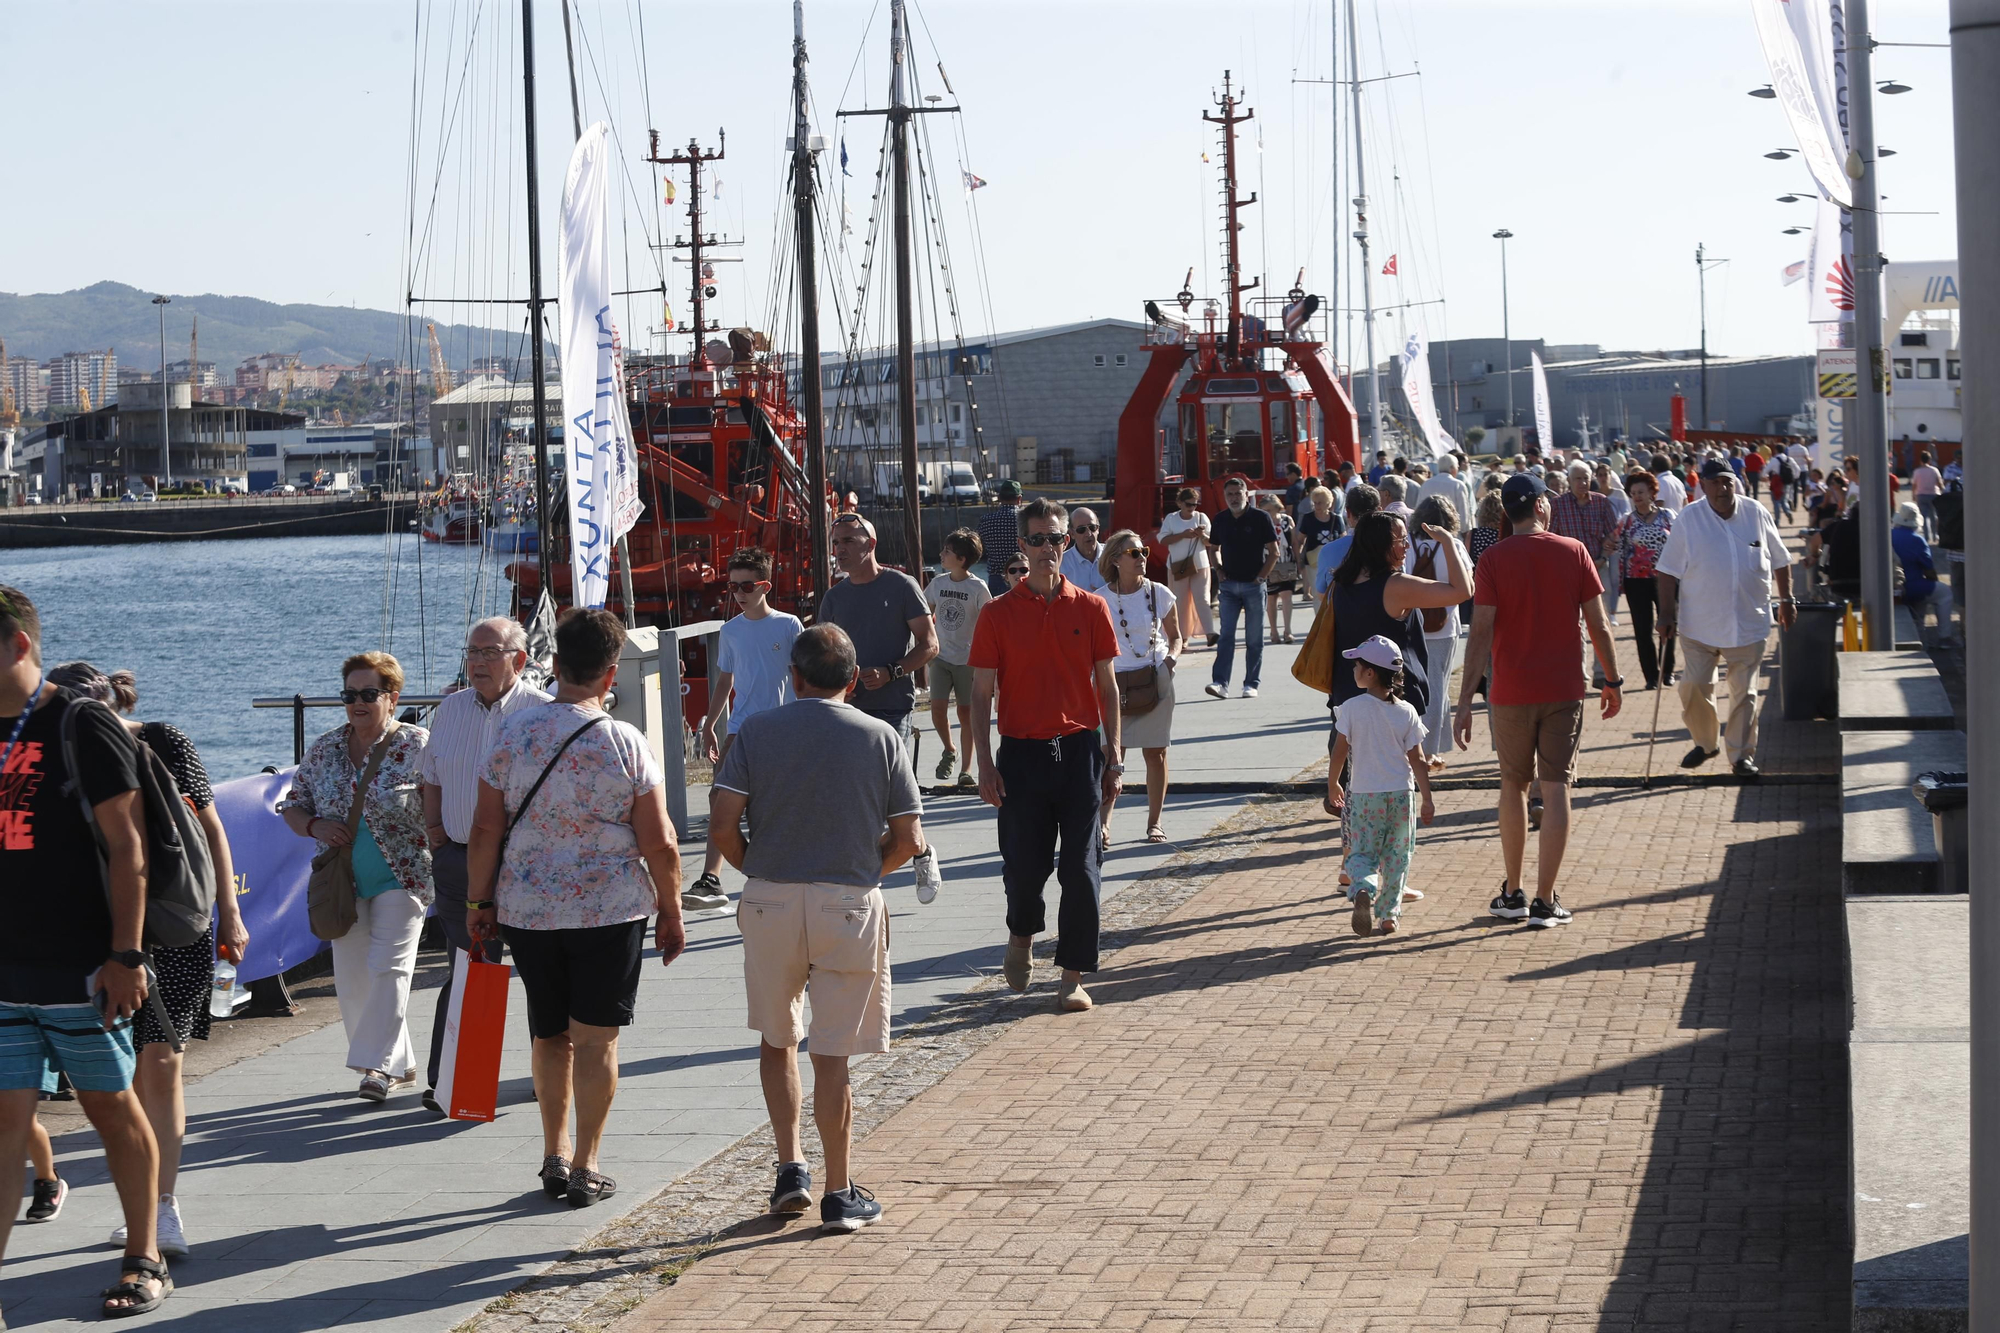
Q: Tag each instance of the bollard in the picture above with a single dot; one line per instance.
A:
(1945, 796)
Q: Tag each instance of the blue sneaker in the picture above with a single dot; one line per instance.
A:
(848, 1210)
(794, 1191)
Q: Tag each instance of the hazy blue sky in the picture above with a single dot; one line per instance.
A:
(263, 149)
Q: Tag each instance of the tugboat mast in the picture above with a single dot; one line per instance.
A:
(803, 187)
(1229, 120)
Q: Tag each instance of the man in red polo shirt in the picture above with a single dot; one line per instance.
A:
(1049, 647)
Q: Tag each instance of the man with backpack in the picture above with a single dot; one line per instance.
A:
(72, 973)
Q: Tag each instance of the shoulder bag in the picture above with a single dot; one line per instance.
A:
(1139, 688)
(330, 889)
(1434, 616)
(1313, 667)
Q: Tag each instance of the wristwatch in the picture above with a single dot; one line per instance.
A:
(897, 672)
(1114, 768)
(132, 958)
(479, 904)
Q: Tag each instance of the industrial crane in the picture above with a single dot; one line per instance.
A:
(440, 372)
(194, 364)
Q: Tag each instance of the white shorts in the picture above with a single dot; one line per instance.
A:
(830, 938)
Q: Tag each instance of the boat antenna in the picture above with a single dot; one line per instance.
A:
(1231, 228)
(540, 426)
(803, 189)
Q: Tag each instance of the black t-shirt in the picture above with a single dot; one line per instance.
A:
(1242, 540)
(1319, 531)
(51, 884)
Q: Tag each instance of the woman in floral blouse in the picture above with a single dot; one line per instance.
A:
(1638, 540)
(374, 961)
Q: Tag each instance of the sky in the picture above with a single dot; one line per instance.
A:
(264, 149)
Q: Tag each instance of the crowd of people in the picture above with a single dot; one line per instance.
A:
(535, 827)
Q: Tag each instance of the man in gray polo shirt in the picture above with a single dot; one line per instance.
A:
(833, 807)
(886, 617)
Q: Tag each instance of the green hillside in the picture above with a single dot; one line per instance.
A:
(111, 314)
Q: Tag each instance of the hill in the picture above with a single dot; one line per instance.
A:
(111, 314)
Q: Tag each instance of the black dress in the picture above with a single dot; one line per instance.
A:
(186, 971)
(1357, 616)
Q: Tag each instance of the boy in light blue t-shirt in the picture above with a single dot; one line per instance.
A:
(753, 660)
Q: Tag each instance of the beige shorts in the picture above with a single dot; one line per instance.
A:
(1532, 735)
(830, 938)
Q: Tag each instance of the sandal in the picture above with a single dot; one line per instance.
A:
(133, 1289)
(1154, 833)
(374, 1087)
(587, 1187)
(555, 1176)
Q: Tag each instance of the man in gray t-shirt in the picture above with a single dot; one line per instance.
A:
(833, 807)
(886, 617)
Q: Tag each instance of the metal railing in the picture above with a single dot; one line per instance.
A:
(298, 703)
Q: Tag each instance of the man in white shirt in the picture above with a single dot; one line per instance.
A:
(1079, 562)
(1668, 493)
(1448, 484)
(462, 733)
(1716, 577)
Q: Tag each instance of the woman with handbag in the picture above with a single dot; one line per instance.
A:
(1441, 624)
(1149, 643)
(358, 795)
(1185, 535)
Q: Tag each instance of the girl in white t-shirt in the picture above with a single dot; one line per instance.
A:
(1384, 737)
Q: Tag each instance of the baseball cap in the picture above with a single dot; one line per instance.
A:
(1008, 489)
(1522, 488)
(1715, 467)
(1378, 650)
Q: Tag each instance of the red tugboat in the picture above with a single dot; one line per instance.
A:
(1256, 396)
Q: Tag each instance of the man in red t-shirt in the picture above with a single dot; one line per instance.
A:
(1530, 590)
(1048, 647)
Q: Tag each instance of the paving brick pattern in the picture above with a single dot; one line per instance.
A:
(1633, 1122)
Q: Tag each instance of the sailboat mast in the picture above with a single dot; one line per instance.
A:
(803, 187)
(906, 358)
(1361, 235)
(539, 430)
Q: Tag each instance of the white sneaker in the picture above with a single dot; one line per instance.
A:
(928, 880)
(1216, 691)
(172, 1237)
(1249, 691)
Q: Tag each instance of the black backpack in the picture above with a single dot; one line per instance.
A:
(1788, 468)
(180, 875)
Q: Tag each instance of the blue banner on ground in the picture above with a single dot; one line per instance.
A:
(272, 865)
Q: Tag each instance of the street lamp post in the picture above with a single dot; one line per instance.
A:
(1869, 426)
(166, 443)
(1506, 328)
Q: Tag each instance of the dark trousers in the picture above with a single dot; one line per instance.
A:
(448, 875)
(1051, 801)
(1642, 596)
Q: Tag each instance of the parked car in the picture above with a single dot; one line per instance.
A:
(148, 497)
(283, 488)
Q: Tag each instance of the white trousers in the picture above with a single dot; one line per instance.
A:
(372, 966)
(1443, 653)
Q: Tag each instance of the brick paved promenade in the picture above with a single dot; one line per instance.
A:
(1633, 1122)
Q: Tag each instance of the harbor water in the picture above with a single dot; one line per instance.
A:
(207, 626)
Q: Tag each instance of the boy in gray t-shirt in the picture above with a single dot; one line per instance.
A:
(956, 599)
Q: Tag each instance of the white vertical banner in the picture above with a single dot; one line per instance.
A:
(1545, 433)
(603, 468)
(1417, 392)
(1803, 81)
(1829, 270)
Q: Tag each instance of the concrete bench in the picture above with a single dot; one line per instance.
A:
(1910, 1100)
(1907, 634)
(1892, 691)
(1886, 844)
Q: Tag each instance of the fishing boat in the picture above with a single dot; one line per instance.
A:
(452, 515)
(1260, 389)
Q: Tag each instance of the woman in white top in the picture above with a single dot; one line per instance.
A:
(1149, 635)
(1440, 644)
(1185, 535)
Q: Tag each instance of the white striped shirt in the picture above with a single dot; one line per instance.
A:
(462, 732)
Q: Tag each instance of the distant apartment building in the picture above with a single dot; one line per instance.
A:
(83, 379)
(205, 376)
(28, 381)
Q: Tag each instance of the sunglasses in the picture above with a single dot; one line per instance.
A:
(1084, 527)
(1131, 551)
(1020, 570)
(742, 586)
(1041, 539)
(367, 696)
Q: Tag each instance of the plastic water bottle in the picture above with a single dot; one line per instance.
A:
(222, 997)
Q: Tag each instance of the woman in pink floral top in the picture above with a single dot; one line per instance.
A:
(374, 961)
(567, 873)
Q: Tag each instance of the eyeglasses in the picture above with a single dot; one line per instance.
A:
(482, 655)
(367, 696)
(1041, 539)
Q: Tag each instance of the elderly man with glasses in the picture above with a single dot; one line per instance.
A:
(462, 734)
(1079, 562)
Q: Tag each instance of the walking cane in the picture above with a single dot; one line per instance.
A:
(1653, 736)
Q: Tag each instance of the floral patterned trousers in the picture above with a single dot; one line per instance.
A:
(1381, 835)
